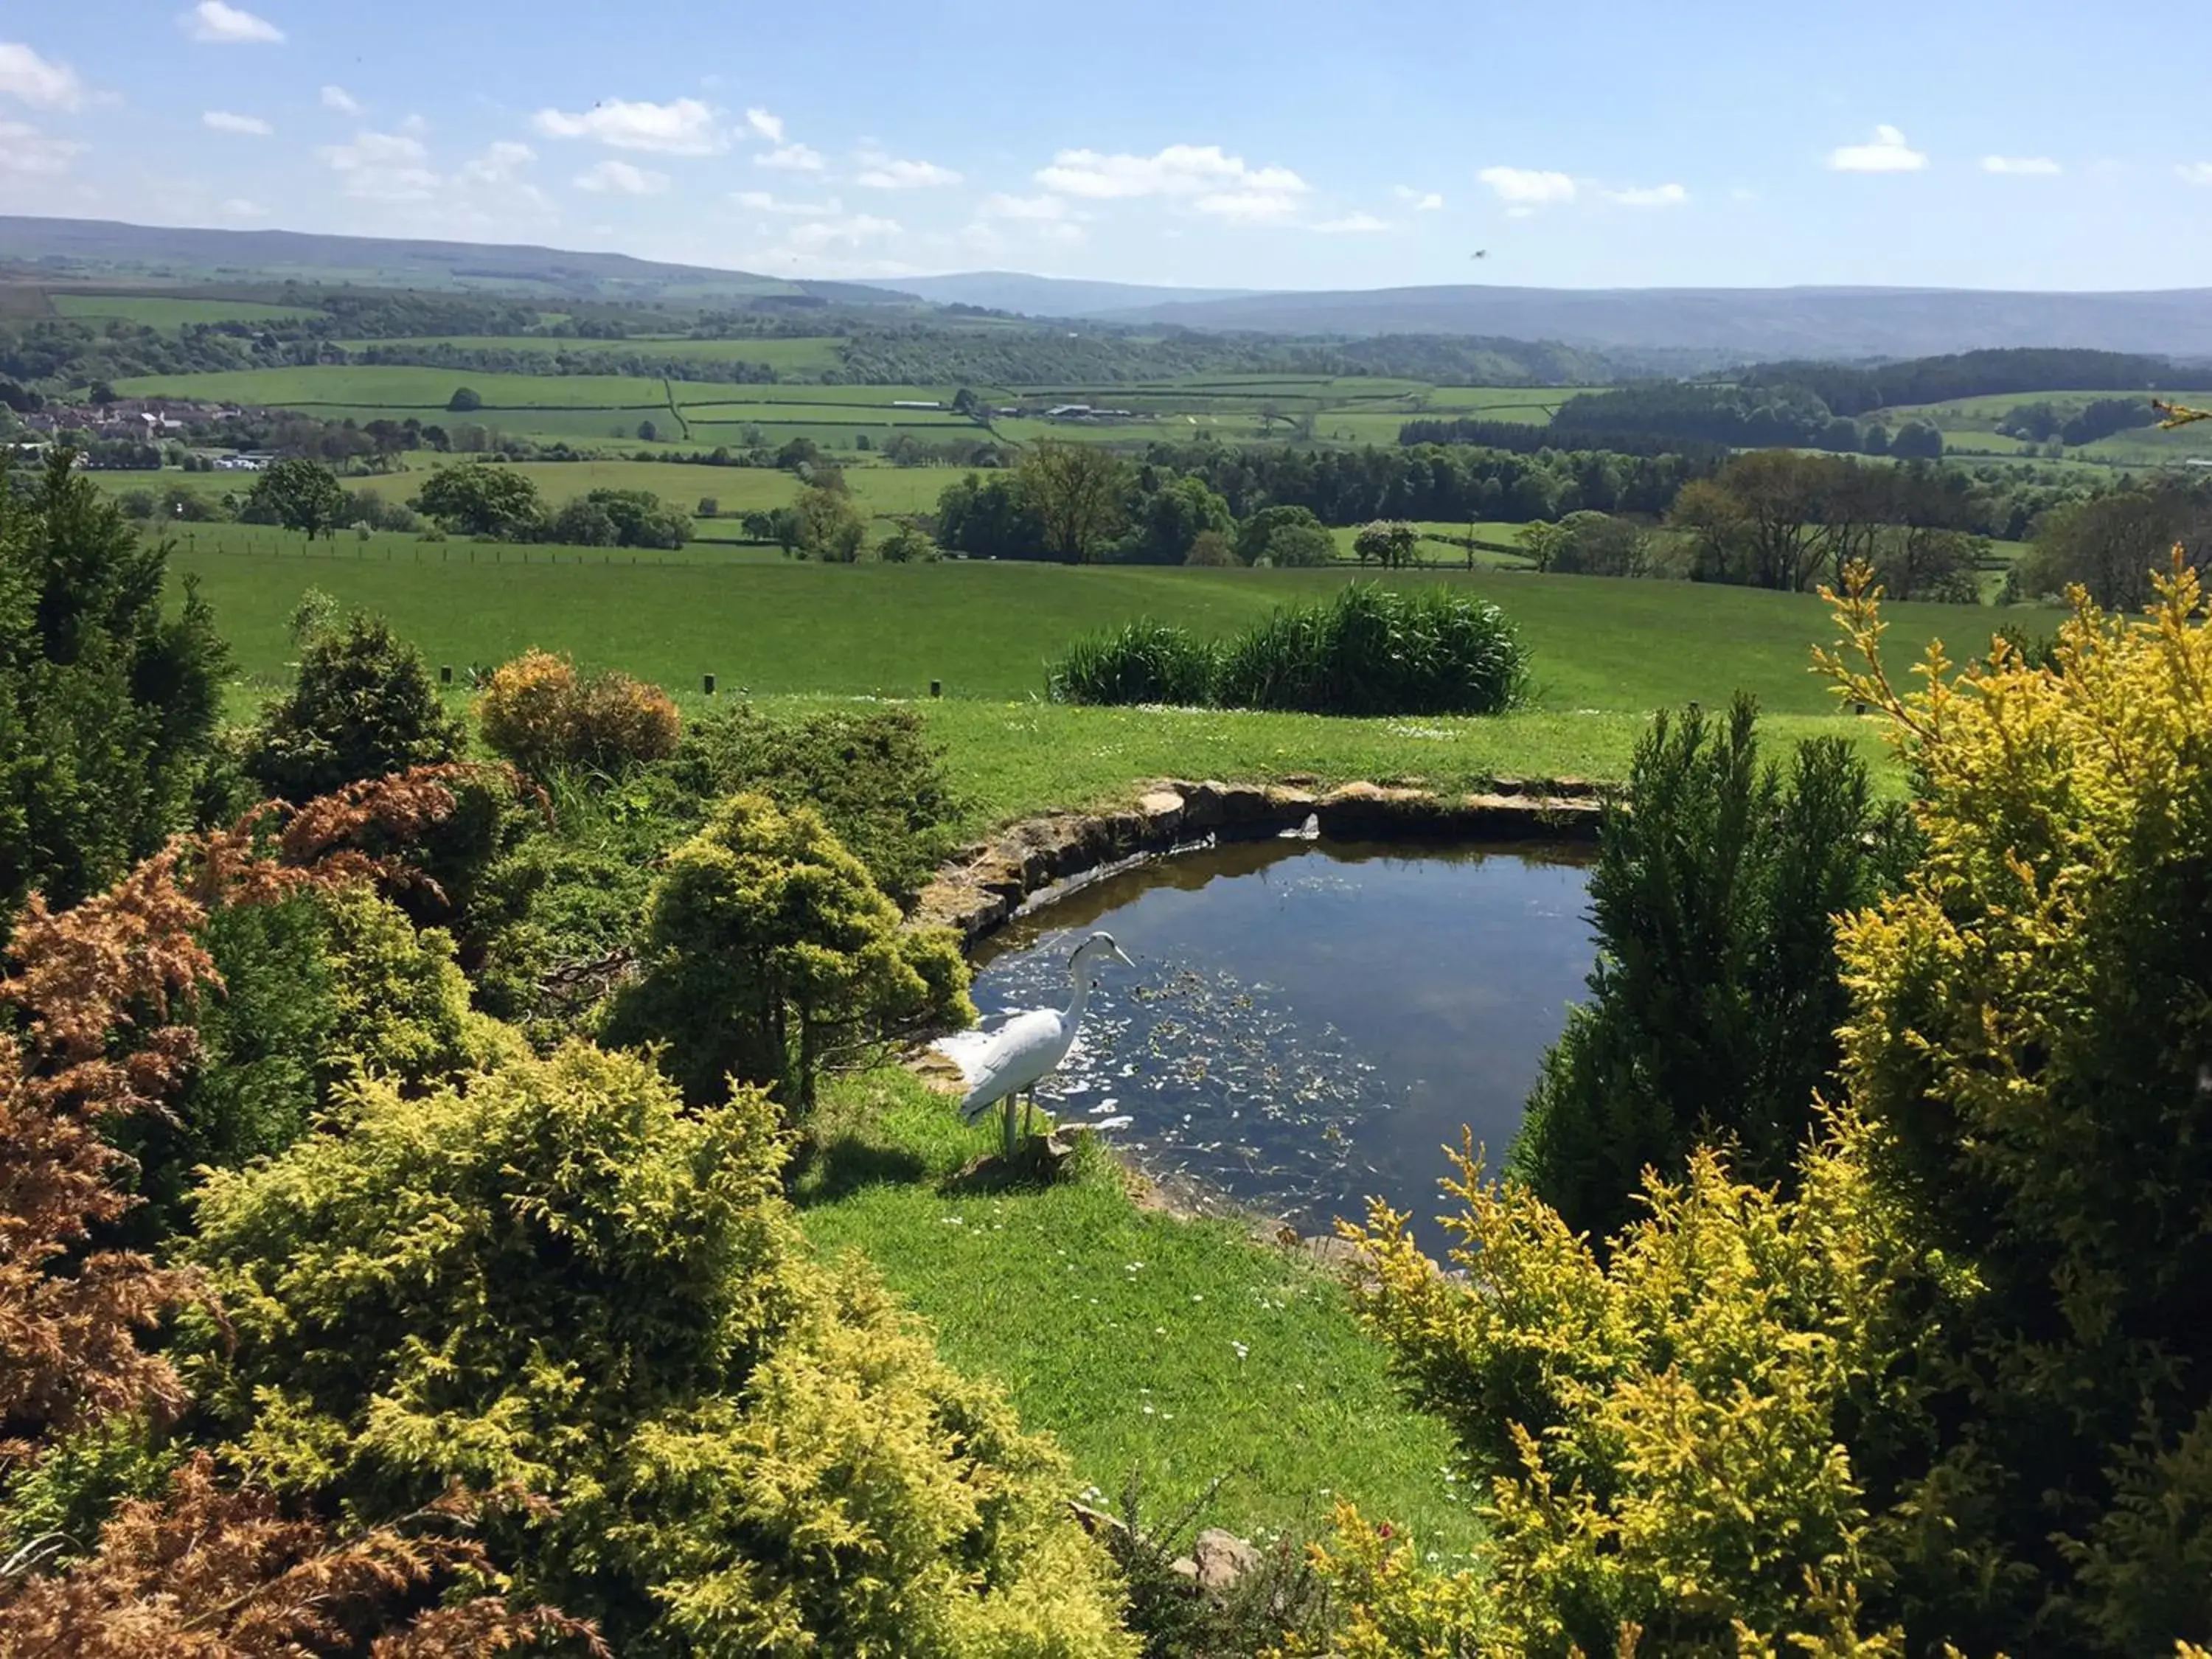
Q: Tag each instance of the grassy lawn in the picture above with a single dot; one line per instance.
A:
(1174, 1348)
(987, 630)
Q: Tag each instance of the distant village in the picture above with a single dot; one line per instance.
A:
(155, 422)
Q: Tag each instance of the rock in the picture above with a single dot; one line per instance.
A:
(1291, 803)
(1097, 1522)
(1202, 805)
(1184, 1567)
(1162, 809)
(1361, 810)
(1221, 1558)
(1245, 806)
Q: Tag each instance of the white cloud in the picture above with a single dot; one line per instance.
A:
(761, 201)
(1249, 207)
(502, 163)
(620, 179)
(2193, 172)
(853, 231)
(382, 167)
(1353, 224)
(769, 127)
(1042, 209)
(24, 150)
(246, 126)
(684, 127)
(792, 158)
(221, 25)
(1421, 200)
(1524, 190)
(888, 172)
(1652, 196)
(1179, 170)
(238, 207)
(2039, 165)
(1889, 153)
(39, 82)
(339, 99)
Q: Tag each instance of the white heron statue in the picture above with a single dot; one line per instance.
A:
(1009, 1063)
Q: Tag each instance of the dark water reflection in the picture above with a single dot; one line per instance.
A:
(1309, 1022)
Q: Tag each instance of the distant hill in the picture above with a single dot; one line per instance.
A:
(1827, 323)
(1051, 296)
(105, 248)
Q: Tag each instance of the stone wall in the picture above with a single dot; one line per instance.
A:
(987, 883)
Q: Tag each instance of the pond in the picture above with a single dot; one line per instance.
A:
(1308, 1021)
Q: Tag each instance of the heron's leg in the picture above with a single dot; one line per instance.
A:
(1028, 1112)
(1006, 1126)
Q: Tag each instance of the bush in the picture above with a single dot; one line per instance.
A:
(2030, 1022)
(1664, 1438)
(1372, 650)
(319, 989)
(907, 545)
(875, 778)
(770, 954)
(1211, 548)
(1296, 546)
(110, 687)
(556, 1276)
(1715, 997)
(1139, 662)
(537, 713)
(361, 706)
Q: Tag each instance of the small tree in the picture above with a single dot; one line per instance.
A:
(463, 401)
(1715, 997)
(1390, 542)
(479, 499)
(770, 951)
(830, 528)
(1211, 548)
(300, 495)
(362, 706)
(110, 690)
(1296, 545)
(907, 545)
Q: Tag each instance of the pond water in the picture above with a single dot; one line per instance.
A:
(1308, 1022)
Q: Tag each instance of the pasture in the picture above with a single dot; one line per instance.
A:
(787, 356)
(985, 629)
(169, 311)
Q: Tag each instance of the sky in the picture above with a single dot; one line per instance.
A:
(1601, 143)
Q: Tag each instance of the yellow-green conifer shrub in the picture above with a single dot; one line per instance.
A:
(1956, 1394)
(769, 949)
(2032, 1036)
(1663, 1436)
(556, 1278)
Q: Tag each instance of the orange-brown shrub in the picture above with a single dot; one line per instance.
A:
(210, 1573)
(540, 714)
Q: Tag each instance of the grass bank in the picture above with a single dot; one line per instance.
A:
(1177, 1349)
(987, 630)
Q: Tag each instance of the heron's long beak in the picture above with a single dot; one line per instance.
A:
(1123, 957)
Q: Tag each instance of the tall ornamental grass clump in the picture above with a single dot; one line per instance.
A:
(1139, 662)
(1368, 650)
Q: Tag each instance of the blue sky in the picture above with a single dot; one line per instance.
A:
(1591, 143)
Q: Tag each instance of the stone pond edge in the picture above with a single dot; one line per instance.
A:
(987, 884)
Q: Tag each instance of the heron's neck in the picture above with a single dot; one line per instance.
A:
(1082, 990)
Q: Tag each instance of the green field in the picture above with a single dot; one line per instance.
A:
(375, 386)
(1969, 426)
(793, 357)
(985, 629)
(163, 311)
